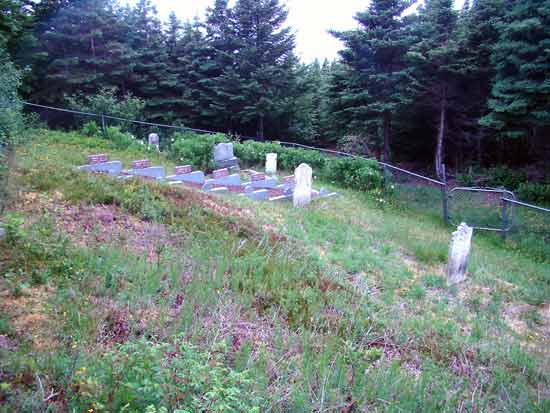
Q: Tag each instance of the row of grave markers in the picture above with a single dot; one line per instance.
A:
(260, 186)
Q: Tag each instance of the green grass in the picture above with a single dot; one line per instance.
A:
(342, 306)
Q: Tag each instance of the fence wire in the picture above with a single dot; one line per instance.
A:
(524, 225)
(530, 229)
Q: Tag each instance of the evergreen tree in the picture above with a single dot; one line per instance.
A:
(436, 67)
(77, 51)
(263, 66)
(374, 56)
(478, 33)
(145, 40)
(520, 98)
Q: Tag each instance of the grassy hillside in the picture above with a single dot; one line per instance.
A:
(137, 297)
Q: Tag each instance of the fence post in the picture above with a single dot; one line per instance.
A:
(445, 197)
(103, 123)
(504, 218)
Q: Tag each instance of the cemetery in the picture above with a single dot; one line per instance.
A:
(274, 206)
(258, 186)
(145, 262)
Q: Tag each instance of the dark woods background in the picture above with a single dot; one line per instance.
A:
(468, 88)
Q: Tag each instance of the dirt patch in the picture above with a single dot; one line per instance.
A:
(27, 315)
(91, 226)
(243, 219)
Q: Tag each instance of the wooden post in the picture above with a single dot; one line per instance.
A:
(445, 196)
(103, 124)
(504, 218)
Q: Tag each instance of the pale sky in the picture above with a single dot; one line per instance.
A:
(310, 19)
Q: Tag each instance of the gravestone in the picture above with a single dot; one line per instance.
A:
(260, 181)
(183, 170)
(304, 182)
(324, 193)
(256, 194)
(222, 178)
(224, 157)
(153, 140)
(459, 254)
(100, 163)
(143, 168)
(184, 174)
(141, 164)
(2, 231)
(271, 164)
(289, 182)
(99, 158)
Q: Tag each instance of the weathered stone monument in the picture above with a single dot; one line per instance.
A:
(224, 157)
(459, 254)
(154, 140)
(271, 164)
(304, 184)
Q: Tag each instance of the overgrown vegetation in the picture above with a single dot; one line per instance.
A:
(355, 173)
(138, 297)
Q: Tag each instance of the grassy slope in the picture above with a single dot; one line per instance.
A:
(339, 307)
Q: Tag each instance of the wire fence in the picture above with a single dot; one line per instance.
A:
(495, 210)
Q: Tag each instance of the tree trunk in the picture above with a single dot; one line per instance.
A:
(387, 136)
(479, 149)
(441, 136)
(10, 163)
(261, 128)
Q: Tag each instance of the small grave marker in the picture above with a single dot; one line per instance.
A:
(220, 173)
(99, 158)
(271, 163)
(459, 254)
(183, 170)
(141, 164)
(304, 185)
(153, 139)
(257, 177)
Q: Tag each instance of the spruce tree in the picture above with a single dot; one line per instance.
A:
(478, 32)
(436, 67)
(77, 51)
(263, 66)
(374, 56)
(520, 97)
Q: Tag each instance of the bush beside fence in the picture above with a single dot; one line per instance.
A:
(355, 173)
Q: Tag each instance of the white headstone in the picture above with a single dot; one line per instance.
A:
(153, 139)
(459, 253)
(304, 183)
(271, 164)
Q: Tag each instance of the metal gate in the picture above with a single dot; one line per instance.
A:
(482, 208)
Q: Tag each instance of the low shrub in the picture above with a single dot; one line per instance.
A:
(90, 129)
(191, 148)
(121, 140)
(502, 176)
(357, 173)
(146, 376)
(534, 192)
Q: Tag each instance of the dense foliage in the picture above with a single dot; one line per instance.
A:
(357, 173)
(435, 86)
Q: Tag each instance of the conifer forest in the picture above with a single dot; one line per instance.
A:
(466, 87)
